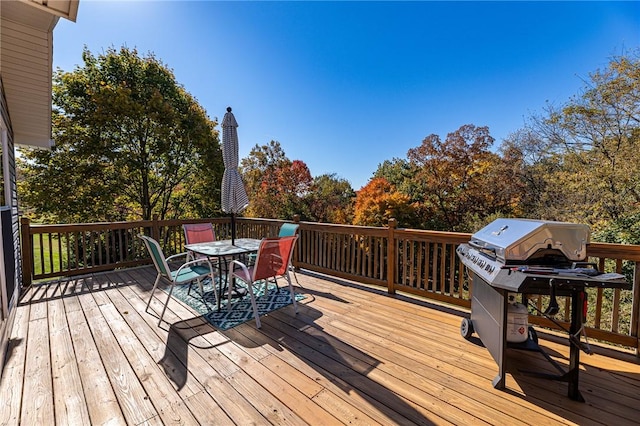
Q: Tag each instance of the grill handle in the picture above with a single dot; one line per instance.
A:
(553, 307)
(489, 251)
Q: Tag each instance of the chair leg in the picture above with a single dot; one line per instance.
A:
(293, 296)
(292, 269)
(215, 291)
(165, 304)
(153, 291)
(266, 287)
(231, 283)
(199, 285)
(254, 305)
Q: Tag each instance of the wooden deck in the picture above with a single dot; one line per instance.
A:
(84, 351)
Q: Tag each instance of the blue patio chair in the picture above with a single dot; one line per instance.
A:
(194, 270)
(289, 230)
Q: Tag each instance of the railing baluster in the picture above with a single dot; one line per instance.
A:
(414, 261)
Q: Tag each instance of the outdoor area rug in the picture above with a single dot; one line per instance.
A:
(241, 311)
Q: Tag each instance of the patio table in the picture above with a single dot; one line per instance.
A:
(222, 249)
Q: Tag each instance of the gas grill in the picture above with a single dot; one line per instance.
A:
(521, 256)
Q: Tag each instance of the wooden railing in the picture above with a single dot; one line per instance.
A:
(417, 262)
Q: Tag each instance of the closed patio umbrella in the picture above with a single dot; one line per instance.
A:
(234, 195)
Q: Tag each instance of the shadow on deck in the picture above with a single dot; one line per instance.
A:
(84, 350)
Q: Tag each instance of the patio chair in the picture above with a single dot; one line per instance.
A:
(198, 233)
(287, 230)
(272, 261)
(193, 270)
(195, 233)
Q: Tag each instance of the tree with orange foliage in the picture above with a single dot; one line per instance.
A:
(378, 201)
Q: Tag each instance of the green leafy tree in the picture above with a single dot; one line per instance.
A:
(331, 200)
(531, 163)
(596, 138)
(402, 175)
(129, 141)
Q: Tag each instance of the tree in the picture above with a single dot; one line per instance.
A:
(378, 201)
(598, 135)
(255, 166)
(532, 164)
(128, 142)
(461, 179)
(402, 175)
(276, 185)
(331, 200)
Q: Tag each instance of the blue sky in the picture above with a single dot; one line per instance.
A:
(343, 85)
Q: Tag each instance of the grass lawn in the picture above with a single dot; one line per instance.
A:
(47, 255)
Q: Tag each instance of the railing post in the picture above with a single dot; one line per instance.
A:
(27, 252)
(391, 256)
(297, 248)
(155, 228)
(635, 307)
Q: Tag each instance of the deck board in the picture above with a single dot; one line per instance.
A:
(84, 351)
(68, 392)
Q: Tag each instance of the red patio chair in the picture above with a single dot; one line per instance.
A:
(198, 233)
(272, 261)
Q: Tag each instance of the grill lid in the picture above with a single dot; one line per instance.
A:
(519, 239)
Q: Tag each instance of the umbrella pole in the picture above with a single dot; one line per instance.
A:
(233, 228)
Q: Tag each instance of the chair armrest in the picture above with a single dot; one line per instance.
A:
(193, 262)
(276, 259)
(232, 268)
(176, 256)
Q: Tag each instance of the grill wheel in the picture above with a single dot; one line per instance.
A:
(466, 328)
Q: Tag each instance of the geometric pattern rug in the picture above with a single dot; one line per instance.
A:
(241, 310)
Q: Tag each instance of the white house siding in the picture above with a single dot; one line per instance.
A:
(26, 57)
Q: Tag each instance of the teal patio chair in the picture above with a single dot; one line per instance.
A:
(193, 270)
(288, 230)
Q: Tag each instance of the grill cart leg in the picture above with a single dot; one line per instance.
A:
(570, 375)
(577, 305)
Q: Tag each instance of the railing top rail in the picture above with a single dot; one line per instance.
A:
(439, 236)
(614, 251)
(39, 229)
(78, 227)
(345, 229)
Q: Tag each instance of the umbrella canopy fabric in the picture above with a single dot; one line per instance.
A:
(234, 195)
